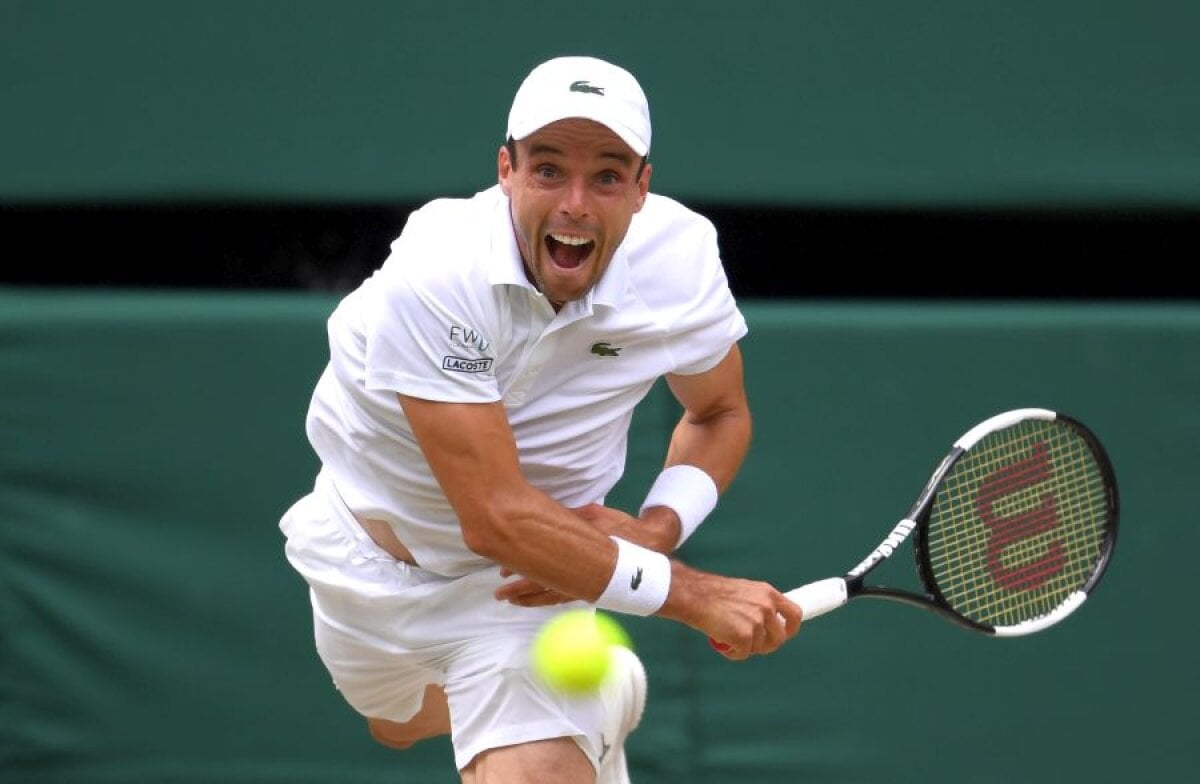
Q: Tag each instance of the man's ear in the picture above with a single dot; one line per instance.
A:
(643, 186)
(504, 170)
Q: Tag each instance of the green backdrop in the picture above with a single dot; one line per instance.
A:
(151, 631)
(1072, 103)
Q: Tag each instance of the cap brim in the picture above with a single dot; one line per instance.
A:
(531, 125)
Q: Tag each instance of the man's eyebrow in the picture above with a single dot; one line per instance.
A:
(542, 148)
(619, 156)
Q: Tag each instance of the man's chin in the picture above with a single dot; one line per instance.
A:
(560, 295)
(564, 285)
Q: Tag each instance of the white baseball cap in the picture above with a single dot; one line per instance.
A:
(582, 87)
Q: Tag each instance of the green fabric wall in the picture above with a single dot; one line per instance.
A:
(1074, 103)
(151, 631)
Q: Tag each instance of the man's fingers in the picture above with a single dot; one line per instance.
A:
(540, 599)
(527, 593)
(792, 616)
(518, 588)
(766, 634)
(776, 632)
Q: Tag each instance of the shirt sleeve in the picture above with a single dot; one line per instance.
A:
(427, 332)
(707, 321)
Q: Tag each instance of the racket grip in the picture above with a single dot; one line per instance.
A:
(820, 597)
(814, 599)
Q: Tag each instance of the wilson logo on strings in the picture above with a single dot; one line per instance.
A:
(1007, 530)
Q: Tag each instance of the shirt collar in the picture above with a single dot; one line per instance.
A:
(508, 268)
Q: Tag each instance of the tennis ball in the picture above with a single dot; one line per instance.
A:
(571, 651)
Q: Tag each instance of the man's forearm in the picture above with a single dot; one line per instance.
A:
(678, 502)
(716, 444)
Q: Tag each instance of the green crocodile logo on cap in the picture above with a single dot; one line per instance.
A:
(583, 86)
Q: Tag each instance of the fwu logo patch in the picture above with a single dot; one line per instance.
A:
(465, 337)
(463, 365)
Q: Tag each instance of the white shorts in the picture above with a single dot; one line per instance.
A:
(386, 629)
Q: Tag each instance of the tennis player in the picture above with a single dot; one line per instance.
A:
(475, 413)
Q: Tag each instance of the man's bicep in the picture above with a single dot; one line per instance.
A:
(469, 447)
(717, 390)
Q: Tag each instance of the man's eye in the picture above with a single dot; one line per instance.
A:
(546, 171)
(609, 178)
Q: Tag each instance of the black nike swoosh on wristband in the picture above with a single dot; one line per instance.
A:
(637, 579)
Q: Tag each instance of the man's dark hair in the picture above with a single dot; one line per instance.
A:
(511, 144)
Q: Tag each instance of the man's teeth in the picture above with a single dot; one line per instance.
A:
(566, 239)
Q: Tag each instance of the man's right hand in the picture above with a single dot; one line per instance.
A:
(749, 616)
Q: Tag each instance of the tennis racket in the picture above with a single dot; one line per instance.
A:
(1013, 531)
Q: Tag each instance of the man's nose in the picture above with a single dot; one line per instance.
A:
(575, 199)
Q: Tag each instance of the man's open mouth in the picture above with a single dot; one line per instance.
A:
(567, 251)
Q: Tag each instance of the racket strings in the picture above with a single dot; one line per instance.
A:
(1019, 524)
(1019, 555)
(1018, 572)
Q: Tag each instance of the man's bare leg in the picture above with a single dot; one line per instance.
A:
(552, 761)
(431, 721)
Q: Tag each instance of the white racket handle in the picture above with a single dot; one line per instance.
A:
(820, 597)
(814, 599)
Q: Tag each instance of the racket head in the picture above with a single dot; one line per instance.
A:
(1022, 524)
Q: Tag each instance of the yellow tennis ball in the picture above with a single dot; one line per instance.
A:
(571, 652)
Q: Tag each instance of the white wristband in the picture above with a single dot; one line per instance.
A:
(689, 491)
(639, 582)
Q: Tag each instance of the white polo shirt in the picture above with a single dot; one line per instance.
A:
(451, 316)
